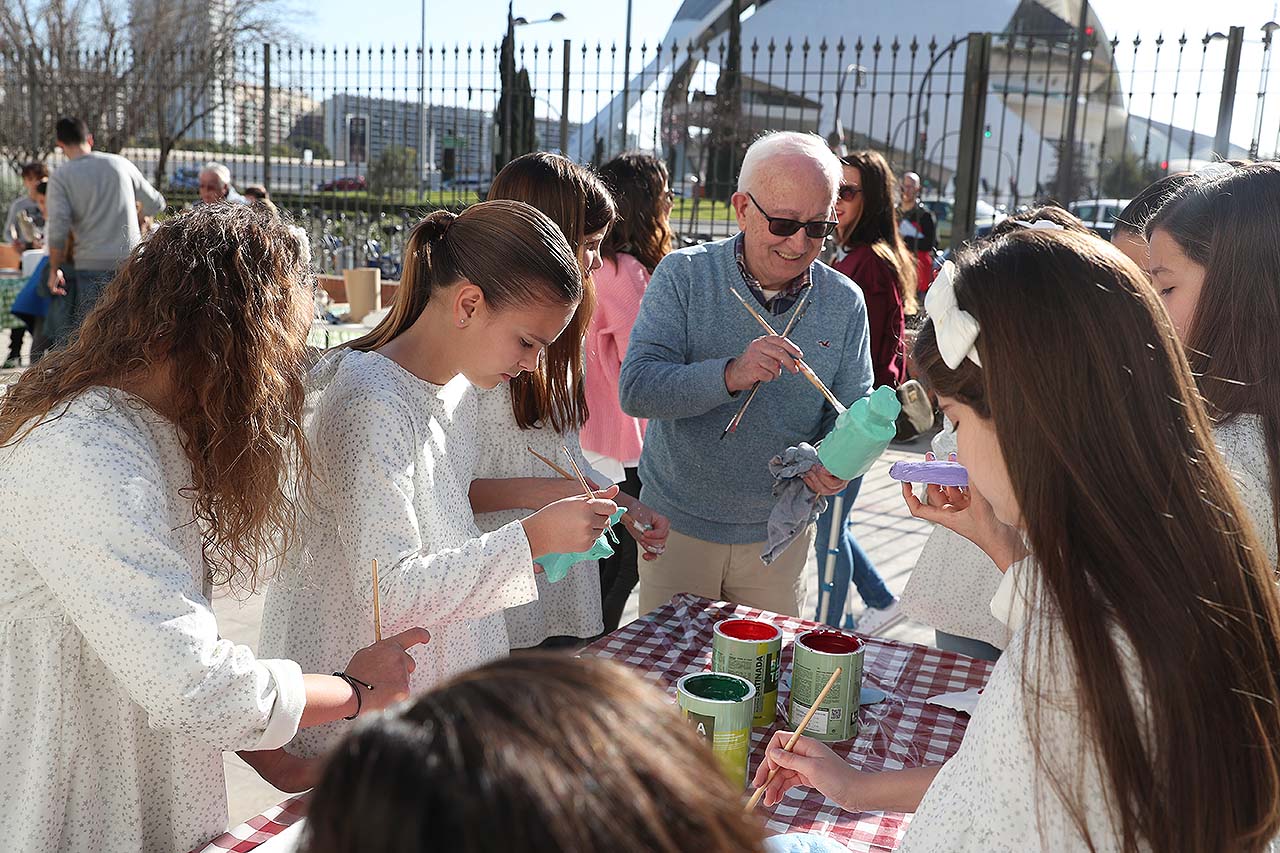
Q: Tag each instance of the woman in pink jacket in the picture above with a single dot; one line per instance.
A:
(611, 440)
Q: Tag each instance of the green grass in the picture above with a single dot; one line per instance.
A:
(704, 209)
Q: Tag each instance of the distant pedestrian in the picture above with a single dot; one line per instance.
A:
(93, 196)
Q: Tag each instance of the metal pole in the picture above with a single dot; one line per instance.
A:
(508, 83)
(626, 77)
(266, 115)
(973, 115)
(1226, 106)
(422, 103)
(1067, 156)
(564, 103)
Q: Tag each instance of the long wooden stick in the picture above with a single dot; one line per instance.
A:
(586, 487)
(805, 369)
(755, 798)
(377, 616)
(627, 517)
(801, 307)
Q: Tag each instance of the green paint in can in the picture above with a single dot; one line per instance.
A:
(816, 655)
(751, 649)
(719, 706)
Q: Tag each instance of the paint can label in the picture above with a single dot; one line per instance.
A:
(751, 649)
(719, 707)
(816, 656)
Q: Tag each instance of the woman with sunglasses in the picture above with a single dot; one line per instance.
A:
(870, 252)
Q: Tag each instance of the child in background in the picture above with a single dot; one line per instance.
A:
(611, 439)
(30, 306)
(537, 753)
(1124, 693)
(483, 293)
(545, 407)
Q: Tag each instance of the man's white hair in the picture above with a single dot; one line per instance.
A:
(787, 142)
(222, 172)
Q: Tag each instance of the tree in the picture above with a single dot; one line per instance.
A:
(1127, 175)
(1077, 184)
(393, 170)
(524, 130)
(130, 68)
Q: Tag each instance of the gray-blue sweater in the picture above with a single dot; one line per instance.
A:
(689, 328)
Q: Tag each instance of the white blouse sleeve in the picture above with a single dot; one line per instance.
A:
(370, 461)
(91, 518)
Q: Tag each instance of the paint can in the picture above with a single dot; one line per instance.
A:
(751, 649)
(719, 706)
(816, 655)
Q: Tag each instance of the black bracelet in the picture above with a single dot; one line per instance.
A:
(356, 684)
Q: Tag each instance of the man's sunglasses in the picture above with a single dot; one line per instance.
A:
(781, 227)
(848, 192)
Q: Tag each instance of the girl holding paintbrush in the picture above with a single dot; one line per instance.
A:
(1144, 667)
(543, 409)
(482, 295)
(144, 468)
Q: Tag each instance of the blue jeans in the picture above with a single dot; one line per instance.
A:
(851, 560)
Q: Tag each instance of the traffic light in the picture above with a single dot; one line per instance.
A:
(986, 132)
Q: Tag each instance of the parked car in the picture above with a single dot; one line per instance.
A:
(1099, 213)
(344, 184)
(943, 210)
(185, 179)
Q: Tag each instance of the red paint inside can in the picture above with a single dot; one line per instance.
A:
(749, 629)
(830, 642)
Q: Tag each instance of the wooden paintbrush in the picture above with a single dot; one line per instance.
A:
(795, 736)
(377, 616)
(805, 370)
(801, 307)
(627, 517)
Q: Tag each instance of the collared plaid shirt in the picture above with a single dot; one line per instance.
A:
(791, 291)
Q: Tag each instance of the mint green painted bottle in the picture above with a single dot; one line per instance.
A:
(861, 434)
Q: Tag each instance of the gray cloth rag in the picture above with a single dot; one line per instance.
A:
(798, 506)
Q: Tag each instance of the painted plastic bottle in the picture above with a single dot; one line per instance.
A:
(861, 434)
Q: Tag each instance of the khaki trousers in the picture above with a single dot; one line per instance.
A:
(729, 572)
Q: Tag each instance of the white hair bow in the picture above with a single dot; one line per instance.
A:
(956, 329)
(1041, 225)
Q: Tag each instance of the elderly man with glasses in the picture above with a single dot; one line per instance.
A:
(695, 354)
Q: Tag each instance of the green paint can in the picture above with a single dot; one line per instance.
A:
(751, 649)
(816, 655)
(719, 706)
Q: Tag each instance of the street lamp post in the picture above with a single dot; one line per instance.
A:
(836, 139)
(508, 72)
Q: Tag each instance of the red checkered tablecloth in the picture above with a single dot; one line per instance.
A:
(902, 731)
(257, 830)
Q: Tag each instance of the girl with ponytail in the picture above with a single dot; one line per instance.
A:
(544, 408)
(483, 294)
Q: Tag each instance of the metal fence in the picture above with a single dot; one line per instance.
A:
(357, 141)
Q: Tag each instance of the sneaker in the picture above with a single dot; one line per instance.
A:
(874, 621)
(11, 363)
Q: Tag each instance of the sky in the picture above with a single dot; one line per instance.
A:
(448, 21)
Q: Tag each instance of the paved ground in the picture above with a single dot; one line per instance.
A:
(890, 536)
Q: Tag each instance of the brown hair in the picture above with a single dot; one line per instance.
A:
(509, 250)
(1143, 550)
(538, 753)
(1133, 219)
(578, 202)
(35, 169)
(878, 225)
(638, 183)
(1225, 219)
(213, 296)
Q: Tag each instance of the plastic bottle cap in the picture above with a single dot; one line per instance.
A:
(884, 403)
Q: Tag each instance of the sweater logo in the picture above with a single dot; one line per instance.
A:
(826, 344)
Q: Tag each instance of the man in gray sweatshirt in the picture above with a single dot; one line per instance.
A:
(695, 352)
(93, 196)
